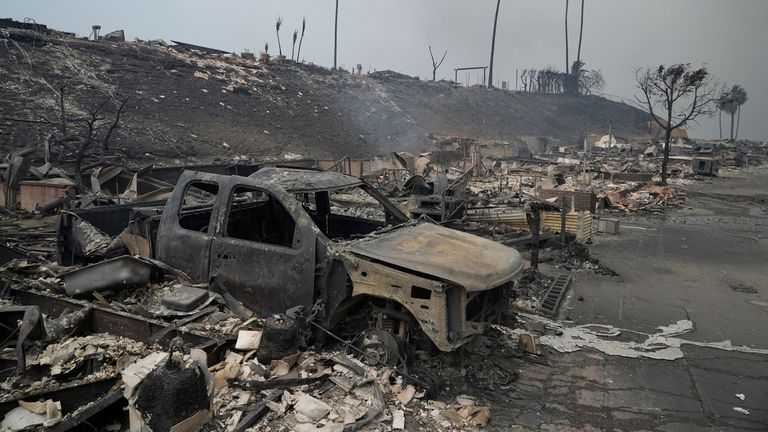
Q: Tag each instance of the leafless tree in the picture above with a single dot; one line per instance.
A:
(493, 44)
(98, 127)
(590, 80)
(549, 80)
(680, 94)
(524, 79)
(435, 64)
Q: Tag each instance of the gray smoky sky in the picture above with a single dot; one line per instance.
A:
(729, 37)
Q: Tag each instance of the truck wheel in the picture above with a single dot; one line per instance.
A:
(380, 348)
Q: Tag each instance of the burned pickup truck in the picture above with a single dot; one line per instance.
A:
(331, 243)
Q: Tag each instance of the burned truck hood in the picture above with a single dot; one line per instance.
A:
(453, 256)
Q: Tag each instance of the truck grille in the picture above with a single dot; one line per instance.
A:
(486, 306)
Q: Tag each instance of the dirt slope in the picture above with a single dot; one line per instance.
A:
(183, 104)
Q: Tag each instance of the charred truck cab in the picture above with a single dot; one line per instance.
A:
(288, 237)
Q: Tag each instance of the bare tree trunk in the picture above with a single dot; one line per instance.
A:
(665, 159)
(62, 113)
(493, 44)
(567, 63)
(581, 31)
(738, 120)
(335, 34)
(79, 156)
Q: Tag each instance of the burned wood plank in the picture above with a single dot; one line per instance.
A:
(278, 383)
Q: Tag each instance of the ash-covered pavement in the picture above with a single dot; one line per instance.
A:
(705, 265)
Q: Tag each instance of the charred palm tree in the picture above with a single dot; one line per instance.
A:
(295, 37)
(301, 39)
(278, 24)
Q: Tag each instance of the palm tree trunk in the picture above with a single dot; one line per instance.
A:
(493, 45)
(581, 31)
(335, 34)
(733, 114)
(298, 53)
(567, 63)
(738, 121)
(720, 122)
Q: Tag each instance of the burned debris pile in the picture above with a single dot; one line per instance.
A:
(575, 257)
(273, 297)
(239, 377)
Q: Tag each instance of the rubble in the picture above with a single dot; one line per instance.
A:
(575, 257)
(355, 395)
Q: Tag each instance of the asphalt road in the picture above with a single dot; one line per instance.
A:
(707, 263)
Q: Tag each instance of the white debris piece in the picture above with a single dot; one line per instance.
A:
(398, 419)
(45, 413)
(664, 345)
(248, 340)
(311, 407)
(740, 396)
(19, 418)
(741, 410)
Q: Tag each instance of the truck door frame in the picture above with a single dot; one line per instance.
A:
(266, 278)
(183, 248)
